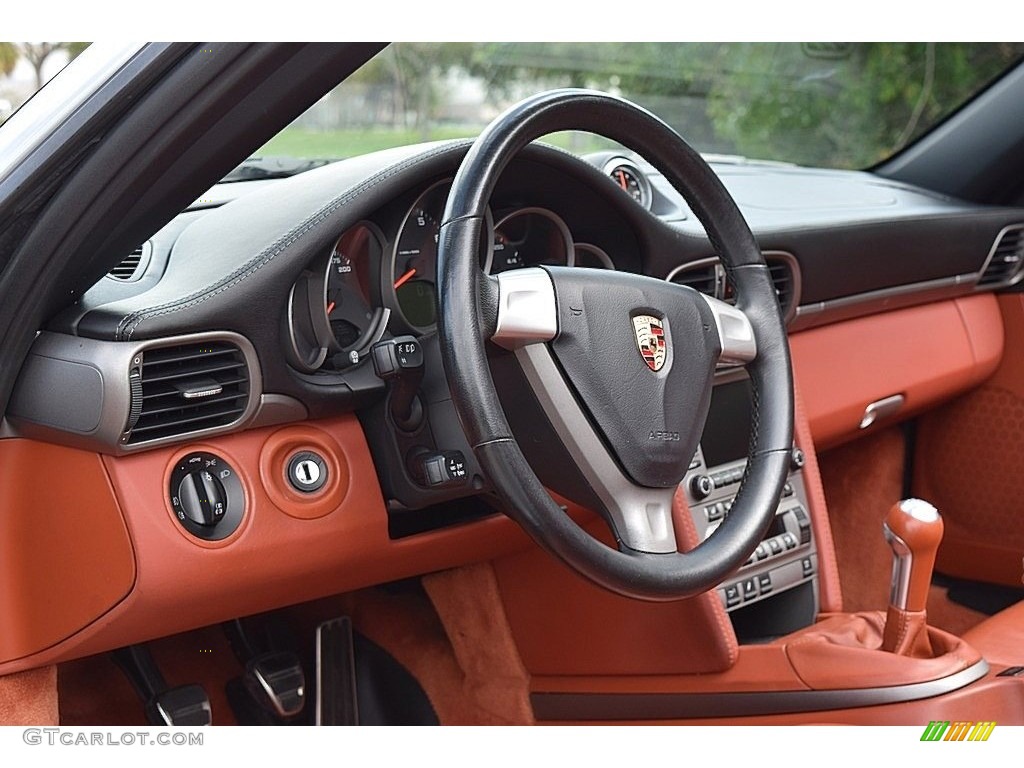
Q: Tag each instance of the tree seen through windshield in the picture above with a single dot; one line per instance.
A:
(842, 105)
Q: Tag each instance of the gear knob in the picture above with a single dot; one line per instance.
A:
(913, 529)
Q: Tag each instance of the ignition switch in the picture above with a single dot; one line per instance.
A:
(307, 471)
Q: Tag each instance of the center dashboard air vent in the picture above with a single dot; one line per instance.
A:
(186, 388)
(1006, 259)
(708, 277)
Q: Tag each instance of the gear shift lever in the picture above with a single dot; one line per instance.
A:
(913, 529)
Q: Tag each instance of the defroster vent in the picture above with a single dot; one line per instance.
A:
(187, 388)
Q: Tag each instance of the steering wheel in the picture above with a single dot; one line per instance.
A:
(621, 364)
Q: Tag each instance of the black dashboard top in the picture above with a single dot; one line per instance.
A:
(228, 263)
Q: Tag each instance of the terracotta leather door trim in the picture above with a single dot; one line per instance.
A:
(927, 354)
(65, 555)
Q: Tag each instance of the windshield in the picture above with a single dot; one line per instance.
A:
(838, 105)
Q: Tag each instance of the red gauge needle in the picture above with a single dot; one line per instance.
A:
(622, 180)
(405, 278)
(330, 308)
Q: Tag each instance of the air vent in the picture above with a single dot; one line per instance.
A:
(708, 277)
(188, 388)
(702, 276)
(132, 266)
(1005, 261)
(784, 279)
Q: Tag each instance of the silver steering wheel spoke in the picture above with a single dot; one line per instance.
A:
(527, 312)
(642, 517)
(735, 333)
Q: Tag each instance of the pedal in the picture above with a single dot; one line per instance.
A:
(181, 706)
(272, 689)
(277, 682)
(336, 702)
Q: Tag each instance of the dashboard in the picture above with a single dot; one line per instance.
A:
(248, 332)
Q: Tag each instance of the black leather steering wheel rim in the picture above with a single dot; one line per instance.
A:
(467, 317)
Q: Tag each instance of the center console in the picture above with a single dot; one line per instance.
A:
(776, 591)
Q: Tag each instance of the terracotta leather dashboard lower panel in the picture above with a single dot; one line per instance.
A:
(275, 559)
(927, 353)
(65, 555)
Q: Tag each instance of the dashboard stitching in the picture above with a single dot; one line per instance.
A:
(131, 322)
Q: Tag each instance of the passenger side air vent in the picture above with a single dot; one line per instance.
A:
(133, 265)
(187, 388)
(1005, 261)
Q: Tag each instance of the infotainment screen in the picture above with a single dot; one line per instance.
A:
(727, 431)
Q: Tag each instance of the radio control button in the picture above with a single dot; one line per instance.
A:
(701, 486)
(789, 540)
(775, 546)
(761, 552)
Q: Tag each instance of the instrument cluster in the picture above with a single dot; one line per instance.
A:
(370, 283)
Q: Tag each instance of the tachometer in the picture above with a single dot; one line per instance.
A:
(415, 270)
(413, 275)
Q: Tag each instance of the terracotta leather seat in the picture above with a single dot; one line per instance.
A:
(1000, 638)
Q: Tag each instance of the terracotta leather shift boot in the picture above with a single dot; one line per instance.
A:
(906, 633)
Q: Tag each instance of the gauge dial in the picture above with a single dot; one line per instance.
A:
(413, 276)
(347, 298)
(588, 255)
(415, 272)
(630, 179)
(333, 314)
(530, 237)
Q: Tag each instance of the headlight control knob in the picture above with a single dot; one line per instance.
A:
(202, 497)
(207, 496)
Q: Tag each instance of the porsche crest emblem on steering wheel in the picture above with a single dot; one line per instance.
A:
(651, 341)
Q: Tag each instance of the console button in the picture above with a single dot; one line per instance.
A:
(712, 512)
(765, 582)
(807, 565)
(701, 486)
(789, 540)
(775, 546)
(797, 459)
(761, 552)
(732, 595)
(750, 589)
(787, 490)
